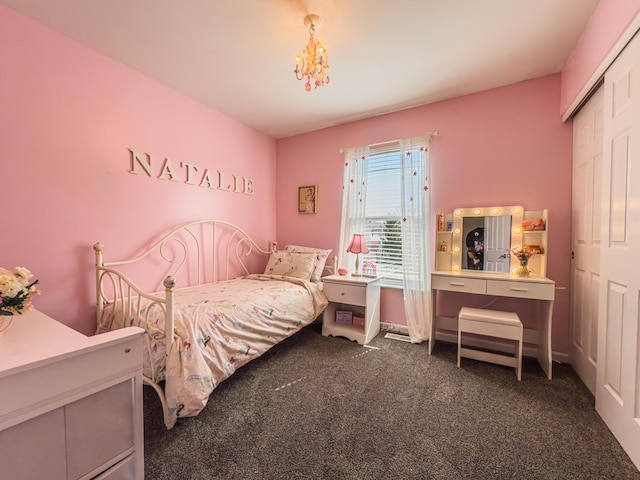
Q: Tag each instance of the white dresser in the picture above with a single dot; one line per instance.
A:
(503, 285)
(70, 405)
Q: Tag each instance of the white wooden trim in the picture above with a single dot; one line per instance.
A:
(600, 70)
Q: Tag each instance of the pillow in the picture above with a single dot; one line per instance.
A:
(322, 258)
(291, 264)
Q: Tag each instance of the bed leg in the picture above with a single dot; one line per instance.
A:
(163, 399)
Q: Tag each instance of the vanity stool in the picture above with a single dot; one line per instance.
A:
(491, 323)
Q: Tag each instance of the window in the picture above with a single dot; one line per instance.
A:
(383, 213)
(381, 201)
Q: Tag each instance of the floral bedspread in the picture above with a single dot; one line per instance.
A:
(218, 328)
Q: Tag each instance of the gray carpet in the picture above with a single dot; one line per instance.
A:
(319, 407)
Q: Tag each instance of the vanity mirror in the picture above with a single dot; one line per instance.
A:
(482, 236)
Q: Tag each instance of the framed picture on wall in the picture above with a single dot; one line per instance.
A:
(308, 199)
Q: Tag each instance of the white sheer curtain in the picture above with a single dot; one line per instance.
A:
(416, 245)
(415, 225)
(354, 198)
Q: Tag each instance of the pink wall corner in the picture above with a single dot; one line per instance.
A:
(610, 19)
(68, 117)
(505, 146)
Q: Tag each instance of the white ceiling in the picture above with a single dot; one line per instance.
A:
(238, 55)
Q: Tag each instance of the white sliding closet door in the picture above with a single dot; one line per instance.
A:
(617, 383)
(585, 238)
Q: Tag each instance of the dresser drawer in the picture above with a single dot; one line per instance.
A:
(459, 284)
(351, 294)
(521, 289)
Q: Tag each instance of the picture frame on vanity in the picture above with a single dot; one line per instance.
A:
(308, 199)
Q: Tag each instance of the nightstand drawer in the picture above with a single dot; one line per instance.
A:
(351, 294)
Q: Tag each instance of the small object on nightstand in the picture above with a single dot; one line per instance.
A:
(369, 270)
(344, 317)
(343, 271)
(358, 321)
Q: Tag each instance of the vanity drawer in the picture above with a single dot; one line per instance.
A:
(521, 289)
(351, 294)
(459, 284)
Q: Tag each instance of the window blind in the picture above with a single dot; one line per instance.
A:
(383, 211)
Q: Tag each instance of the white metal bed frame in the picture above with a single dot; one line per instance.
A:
(127, 296)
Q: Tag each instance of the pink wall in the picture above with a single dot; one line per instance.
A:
(69, 116)
(608, 22)
(505, 146)
(67, 119)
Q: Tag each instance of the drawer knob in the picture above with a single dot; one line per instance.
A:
(127, 350)
(342, 293)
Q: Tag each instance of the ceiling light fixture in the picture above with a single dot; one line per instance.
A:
(313, 63)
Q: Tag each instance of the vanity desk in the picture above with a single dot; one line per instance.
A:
(503, 285)
(494, 231)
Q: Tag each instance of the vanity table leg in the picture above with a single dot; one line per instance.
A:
(434, 309)
(544, 337)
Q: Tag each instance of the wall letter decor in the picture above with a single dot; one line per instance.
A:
(144, 162)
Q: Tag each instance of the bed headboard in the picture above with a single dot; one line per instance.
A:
(199, 252)
(203, 251)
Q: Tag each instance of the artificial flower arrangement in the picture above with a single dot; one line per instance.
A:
(16, 291)
(523, 254)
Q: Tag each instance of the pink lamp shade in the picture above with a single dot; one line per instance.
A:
(358, 244)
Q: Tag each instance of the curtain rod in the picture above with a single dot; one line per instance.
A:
(430, 135)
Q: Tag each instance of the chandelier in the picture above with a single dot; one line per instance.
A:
(312, 64)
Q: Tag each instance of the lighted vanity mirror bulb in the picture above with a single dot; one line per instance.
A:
(456, 268)
(456, 249)
(517, 230)
(457, 212)
(495, 211)
(477, 211)
(517, 210)
(456, 231)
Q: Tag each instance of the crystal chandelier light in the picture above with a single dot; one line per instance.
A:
(312, 64)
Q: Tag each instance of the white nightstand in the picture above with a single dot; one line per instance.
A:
(358, 295)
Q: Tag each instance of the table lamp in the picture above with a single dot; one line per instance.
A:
(358, 245)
